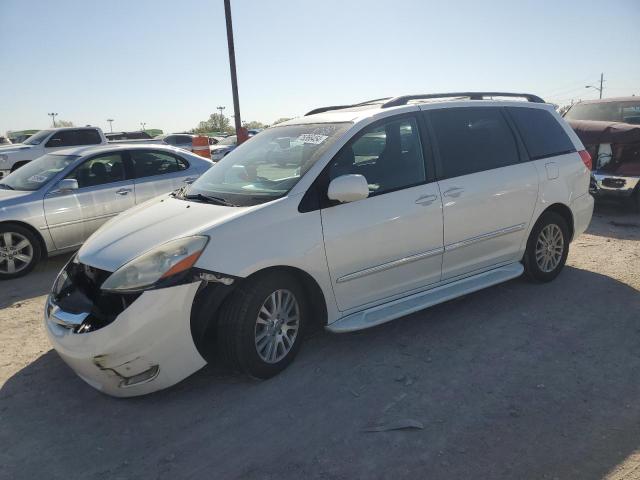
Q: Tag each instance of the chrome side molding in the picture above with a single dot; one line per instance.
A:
(485, 236)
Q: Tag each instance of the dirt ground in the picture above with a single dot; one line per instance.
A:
(519, 381)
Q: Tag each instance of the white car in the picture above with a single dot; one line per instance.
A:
(52, 140)
(391, 206)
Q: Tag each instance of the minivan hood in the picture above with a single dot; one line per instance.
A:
(152, 223)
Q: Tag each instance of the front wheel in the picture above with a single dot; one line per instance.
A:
(547, 248)
(261, 326)
(19, 251)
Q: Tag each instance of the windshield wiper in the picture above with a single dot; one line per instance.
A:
(6, 187)
(209, 199)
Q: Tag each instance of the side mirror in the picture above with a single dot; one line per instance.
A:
(348, 188)
(66, 185)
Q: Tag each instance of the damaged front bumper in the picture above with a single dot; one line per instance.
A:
(146, 347)
(604, 185)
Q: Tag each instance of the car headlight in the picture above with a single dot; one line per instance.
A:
(158, 266)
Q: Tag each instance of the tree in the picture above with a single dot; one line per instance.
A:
(280, 120)
(254, 124)
(215, 123)
(64, 123)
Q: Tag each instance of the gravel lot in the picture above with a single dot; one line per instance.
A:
(518, 381)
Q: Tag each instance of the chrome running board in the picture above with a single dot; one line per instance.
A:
(404, 306)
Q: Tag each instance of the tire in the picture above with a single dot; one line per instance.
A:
(245, 328)
(543, 260)
(20, 251)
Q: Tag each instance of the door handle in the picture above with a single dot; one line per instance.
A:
(426, 199)
(123, 191)
(453, 192)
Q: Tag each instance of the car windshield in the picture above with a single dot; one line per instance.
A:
(228, 140)
(37, 173)
(37, 138)
(628, 112)
(267, 166)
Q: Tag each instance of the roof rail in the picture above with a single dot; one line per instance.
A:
(404, 99)
(340, 107)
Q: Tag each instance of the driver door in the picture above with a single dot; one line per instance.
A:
(104, 191)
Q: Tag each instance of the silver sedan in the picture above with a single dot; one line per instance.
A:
(51, 205)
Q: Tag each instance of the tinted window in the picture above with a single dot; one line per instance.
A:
(472, 140)
(88, 137)
(148, 163)
(388, 155)
(171, 140)
(64, 138)
(182, 139)
(542, 135)
(99, 170)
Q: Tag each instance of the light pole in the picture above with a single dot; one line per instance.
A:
(143, 124)
(110, 120)
(598, 89)
(53, 118)
(221, 108)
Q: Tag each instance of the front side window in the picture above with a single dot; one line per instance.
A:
(107, 168)
(38, 172)
(388, 155)
(148, 163)
(473, 140)
(64, 138)
(267, 166)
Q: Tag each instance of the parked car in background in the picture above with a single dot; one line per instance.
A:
(15, 156)
(224, 147)
(447, 198)
(610, 130)
(53, 204)
(5, 141)
(138, 135)
(179, 140)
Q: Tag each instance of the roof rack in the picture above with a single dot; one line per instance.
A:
(404, 99)
(340, 107)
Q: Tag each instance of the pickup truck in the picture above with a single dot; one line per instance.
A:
(14, 156)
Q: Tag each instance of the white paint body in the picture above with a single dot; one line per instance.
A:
(366, 256)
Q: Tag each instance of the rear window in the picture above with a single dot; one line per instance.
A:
(88, 137)
(541, 133)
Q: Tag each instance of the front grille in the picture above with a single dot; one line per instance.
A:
(82, 293)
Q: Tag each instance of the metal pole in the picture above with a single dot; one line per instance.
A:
(110, 120)
(232, 65)
(221, 108)
(53, 118)
(601, 80)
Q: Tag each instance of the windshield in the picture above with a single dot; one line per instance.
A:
(228, 140)
(38, 172)
(628, 112)
(37, 138)
(269, 165)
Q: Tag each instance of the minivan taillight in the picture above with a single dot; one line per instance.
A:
(586, 158)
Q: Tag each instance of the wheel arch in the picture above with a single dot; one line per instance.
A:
(43, 246)
(19, 164)
(565, 212)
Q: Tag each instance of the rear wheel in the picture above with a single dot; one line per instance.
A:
(19, 251)
(547, 248)
(261, 325)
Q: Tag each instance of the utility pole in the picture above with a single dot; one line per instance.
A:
(53, 118)
(221, 108)
(232, 66)
(143, 124)
(110, 120)
(596, 88)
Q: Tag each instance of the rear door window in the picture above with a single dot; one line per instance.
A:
(88, 137)
(472, 140)
(148, 163)
(541, 133)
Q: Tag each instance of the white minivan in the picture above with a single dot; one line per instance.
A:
(348, 217)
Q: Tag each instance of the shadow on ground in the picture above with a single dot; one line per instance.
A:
(516, 381)
(614, 220)
(34, 284)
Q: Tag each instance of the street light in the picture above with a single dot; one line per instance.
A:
(596, 88)
(53, 118)
(110, 120)
(221, 108)
(143, 124)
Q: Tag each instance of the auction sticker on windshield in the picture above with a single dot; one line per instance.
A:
(313, 138)
(37, 179)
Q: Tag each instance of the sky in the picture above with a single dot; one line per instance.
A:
(165, 63)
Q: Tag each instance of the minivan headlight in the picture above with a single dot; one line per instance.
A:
(158, 266)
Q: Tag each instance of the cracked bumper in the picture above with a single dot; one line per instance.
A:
(148, 347)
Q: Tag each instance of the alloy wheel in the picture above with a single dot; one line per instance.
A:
(549, 248)
(277, 326)
(16, 252)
